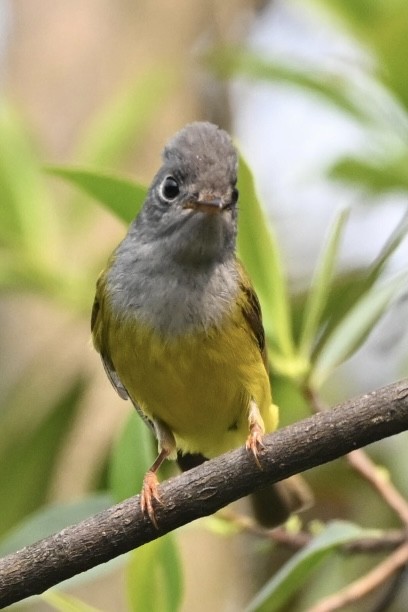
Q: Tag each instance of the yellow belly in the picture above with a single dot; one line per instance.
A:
(200, 385)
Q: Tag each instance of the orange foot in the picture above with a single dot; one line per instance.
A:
(150, 493)
(254, 442)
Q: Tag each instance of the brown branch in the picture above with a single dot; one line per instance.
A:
(362, 463)
(278, 535)
(361, 587)
(387, 541)
(390, 592)
(365, 467)
(201, 491)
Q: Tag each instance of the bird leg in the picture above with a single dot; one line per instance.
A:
(149, 489)
(167, 448)
(254, 441)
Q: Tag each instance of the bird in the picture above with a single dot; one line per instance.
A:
(176, 320)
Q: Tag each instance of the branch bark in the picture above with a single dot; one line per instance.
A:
(204, 490)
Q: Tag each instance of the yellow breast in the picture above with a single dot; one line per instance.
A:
(198, 384)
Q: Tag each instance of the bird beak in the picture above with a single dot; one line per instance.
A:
(206, 203)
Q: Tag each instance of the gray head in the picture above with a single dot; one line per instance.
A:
(191, 204)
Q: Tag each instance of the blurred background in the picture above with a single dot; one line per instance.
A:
(316, 96)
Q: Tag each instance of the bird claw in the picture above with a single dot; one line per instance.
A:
(254, 443)
(149, 493)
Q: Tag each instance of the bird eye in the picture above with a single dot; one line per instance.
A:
(169, 188)
(234, 195)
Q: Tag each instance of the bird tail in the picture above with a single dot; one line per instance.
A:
(273, 505)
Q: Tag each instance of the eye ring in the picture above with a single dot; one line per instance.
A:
(169, 189)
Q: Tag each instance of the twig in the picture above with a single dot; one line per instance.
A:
(314, 399)
(204, 490)
(389, 540)
(278, 535)
(361, 587)
(386, 540)
(361, 462)
(386, 599)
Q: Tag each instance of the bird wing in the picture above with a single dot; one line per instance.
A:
(251, 309)
(98, 323)
(99, 344)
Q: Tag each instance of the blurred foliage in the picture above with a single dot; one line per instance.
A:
(51, 519)
(122, 197)
(229, 62)
(28, 220)
(132, 453)
(154, 577)
(381, 26)
(259, 251)
(30, 461)
(377, 99)
(281, 588)
(66, 603)
(308, 335)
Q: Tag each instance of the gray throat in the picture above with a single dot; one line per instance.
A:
(168, 296)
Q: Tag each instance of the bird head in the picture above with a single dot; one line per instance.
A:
(191, 207)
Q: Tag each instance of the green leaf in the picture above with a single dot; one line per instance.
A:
(381, 26)
(154, 577)
(349, 288)
(27, 218)
(30, 463)
(228, 62)
(290, 578)
(122, 125)
(377, 178)
(120, 196)
(320, 287)
(65, 603)
(398, 235)
(355, 327)
(131, 457)
(51, 519)
(258, 248)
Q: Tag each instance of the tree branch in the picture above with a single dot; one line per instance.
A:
(367, 468)
(204, 490)
(390, 539)
(361, 587)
